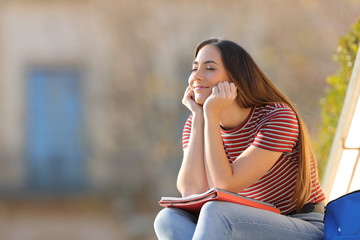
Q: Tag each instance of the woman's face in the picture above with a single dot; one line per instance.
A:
(207, 71)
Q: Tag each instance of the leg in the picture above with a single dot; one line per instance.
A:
(174, 224)
(223, 220)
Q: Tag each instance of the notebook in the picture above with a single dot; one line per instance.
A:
(193, 203)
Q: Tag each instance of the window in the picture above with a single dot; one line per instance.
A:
(55, 147)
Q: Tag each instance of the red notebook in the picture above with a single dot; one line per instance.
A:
(194, 202)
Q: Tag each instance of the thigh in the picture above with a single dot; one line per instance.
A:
(223, 220)
(174, 224)
(315, 218)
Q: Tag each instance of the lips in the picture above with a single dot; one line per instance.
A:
(197, 88)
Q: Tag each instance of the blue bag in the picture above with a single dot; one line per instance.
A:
(342, 218)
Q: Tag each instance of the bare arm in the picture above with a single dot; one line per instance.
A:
(192, 177)
(250, 166)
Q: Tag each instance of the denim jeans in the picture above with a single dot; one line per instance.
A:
(223, 220)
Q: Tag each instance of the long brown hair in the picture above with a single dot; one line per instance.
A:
(254, 88)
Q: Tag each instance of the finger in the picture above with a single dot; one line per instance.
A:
(221, 88)
(227, 91)
(188, 89)
(215, 90)
(233, 89)
(188, 93)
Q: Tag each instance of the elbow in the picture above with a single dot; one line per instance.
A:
(181, 189)
(228, 186)
(190, 189)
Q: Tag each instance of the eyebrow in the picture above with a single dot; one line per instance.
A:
(206, 62)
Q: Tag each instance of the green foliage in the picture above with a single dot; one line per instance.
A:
(332, 103)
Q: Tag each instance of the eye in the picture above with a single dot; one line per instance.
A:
(210, 68)
(193, 69)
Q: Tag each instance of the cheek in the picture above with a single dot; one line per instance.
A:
(218, 78)
(190, 80)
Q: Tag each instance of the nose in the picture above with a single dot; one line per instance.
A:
(196, 76)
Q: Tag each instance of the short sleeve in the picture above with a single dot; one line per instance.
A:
(186, 132)
(279, 131)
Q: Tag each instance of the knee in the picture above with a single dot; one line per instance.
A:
(172, 223)
(213, 209)
(213, 205)
(219, 213)
(162, 220)
(214, 222)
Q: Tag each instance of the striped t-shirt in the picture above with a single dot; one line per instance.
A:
(272, 127)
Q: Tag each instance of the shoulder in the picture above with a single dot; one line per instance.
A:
(274, 110)
(278, 128)
(277, 115)
(275, 107)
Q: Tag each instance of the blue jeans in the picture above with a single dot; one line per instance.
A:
(223, 220)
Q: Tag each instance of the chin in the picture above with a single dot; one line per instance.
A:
(200, 100)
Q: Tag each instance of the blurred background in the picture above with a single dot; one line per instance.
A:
(90, 100)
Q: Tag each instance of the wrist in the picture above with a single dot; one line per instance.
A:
(198, 116)
(198, 112)
(211, 116)
(211, 113)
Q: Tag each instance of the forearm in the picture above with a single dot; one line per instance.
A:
(192, 175)
(217, 163)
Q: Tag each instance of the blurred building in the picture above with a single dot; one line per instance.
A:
(55, 68)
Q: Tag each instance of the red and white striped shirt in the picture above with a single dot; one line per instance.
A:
(272, 127)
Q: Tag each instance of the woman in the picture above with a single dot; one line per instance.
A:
(243, 136)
